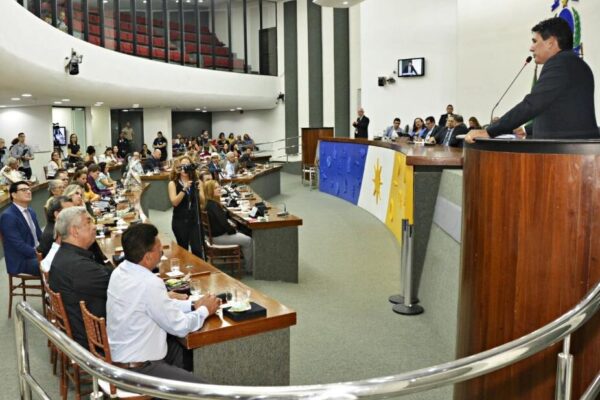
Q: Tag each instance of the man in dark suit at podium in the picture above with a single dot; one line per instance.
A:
(361, 124)
(561, 103)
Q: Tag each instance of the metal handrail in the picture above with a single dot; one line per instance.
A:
(279, 140)
(382, 387)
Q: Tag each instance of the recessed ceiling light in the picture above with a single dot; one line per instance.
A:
(2, 106)
(239, 108)
(15, 98)
(136, 106)
(232, 109)
(58, 102)
(66, 100)
(198, 109)
(26, 95)
(125, 110)
(204, 110)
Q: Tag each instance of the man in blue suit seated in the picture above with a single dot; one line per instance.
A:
(20, 232)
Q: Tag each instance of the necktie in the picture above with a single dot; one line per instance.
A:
(447, 138)
(31, 226)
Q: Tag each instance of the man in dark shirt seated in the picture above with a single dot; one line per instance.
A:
(153, 163)
(246, 159)
(74, 273)
(214, 167)
(54, 208)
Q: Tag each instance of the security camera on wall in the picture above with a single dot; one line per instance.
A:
(72, 66)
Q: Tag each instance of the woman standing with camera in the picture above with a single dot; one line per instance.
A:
(184, 193)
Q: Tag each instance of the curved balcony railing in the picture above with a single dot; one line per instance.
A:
(229, 35)
(383, 387)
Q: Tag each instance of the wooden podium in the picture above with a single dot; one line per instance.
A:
(310, 138)
(531, 250)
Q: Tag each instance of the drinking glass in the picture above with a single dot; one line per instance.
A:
(196, 288)
(175, 265)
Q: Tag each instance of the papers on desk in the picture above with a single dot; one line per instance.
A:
(174, 274)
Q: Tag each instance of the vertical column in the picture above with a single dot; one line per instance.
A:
(315, 66)
(341, 56)
(328, 66)
(290, 39)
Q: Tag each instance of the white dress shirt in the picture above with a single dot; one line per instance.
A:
(47, 261)
(139, 314)
(229, 169)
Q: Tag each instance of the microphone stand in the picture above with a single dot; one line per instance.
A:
(508, 88)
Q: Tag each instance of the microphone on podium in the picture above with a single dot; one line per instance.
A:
(527, 61)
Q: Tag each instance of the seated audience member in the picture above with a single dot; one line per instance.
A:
(246, 159)
(205, 176)
(231, 138)
(74, 273)
(247, 141)
(236, 149)
(447, 136)
(224, 150)
(108, 157)
(153, 163)
(123, 146)
(63, 175)
(418, 129)
(56, 188)
(3, 153)
(90, 155)
(20, 232)
(204, 138)
(221, 141)
(205, 151)
(145, 152)
(54, 165)
(431, 129)
(10, 172)
(80, 178)
(143, 320)
(178, 147)
(474, 124)
(214, 165)
(92, 177)
(115, 152)
(54, 207)
(104, 181)
(230, 165)
(223, 231)
(394, 131)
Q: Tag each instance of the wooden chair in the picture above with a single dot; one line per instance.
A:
(221, 254)
(30, 285)
(70, 371)
(47, 309)
(98, 343)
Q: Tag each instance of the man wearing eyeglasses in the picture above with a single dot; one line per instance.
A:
(20, 232)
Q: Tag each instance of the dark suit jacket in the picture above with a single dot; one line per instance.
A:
(454, 142)
(433, 133)
(561, 103)
(76, 276)
(442, 121)
(362, 128)
(19, 244)
(151, 164)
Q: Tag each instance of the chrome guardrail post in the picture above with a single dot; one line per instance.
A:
(22, 356)
(96, 392)
(564, 372)
(593, 391)
(406, 305)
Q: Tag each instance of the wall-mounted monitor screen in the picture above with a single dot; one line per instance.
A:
(59, 134)
(411, 67)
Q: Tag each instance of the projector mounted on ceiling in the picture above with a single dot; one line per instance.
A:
(337, 3)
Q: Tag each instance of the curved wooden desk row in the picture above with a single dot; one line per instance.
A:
(392, 181)
(274, 242)
(257, 349)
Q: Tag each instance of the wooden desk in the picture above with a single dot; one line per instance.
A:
(264, 181)
(274, 243)
(158, 196)
(257, 349)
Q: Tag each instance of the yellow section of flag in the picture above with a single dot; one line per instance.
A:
(400, 204)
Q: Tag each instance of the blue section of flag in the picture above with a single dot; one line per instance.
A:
(341, 168)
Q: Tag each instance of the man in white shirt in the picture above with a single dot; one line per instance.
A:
(141, 318)
(230, 165)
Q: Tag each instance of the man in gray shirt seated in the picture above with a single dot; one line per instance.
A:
(394, 131)
(142, 320)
